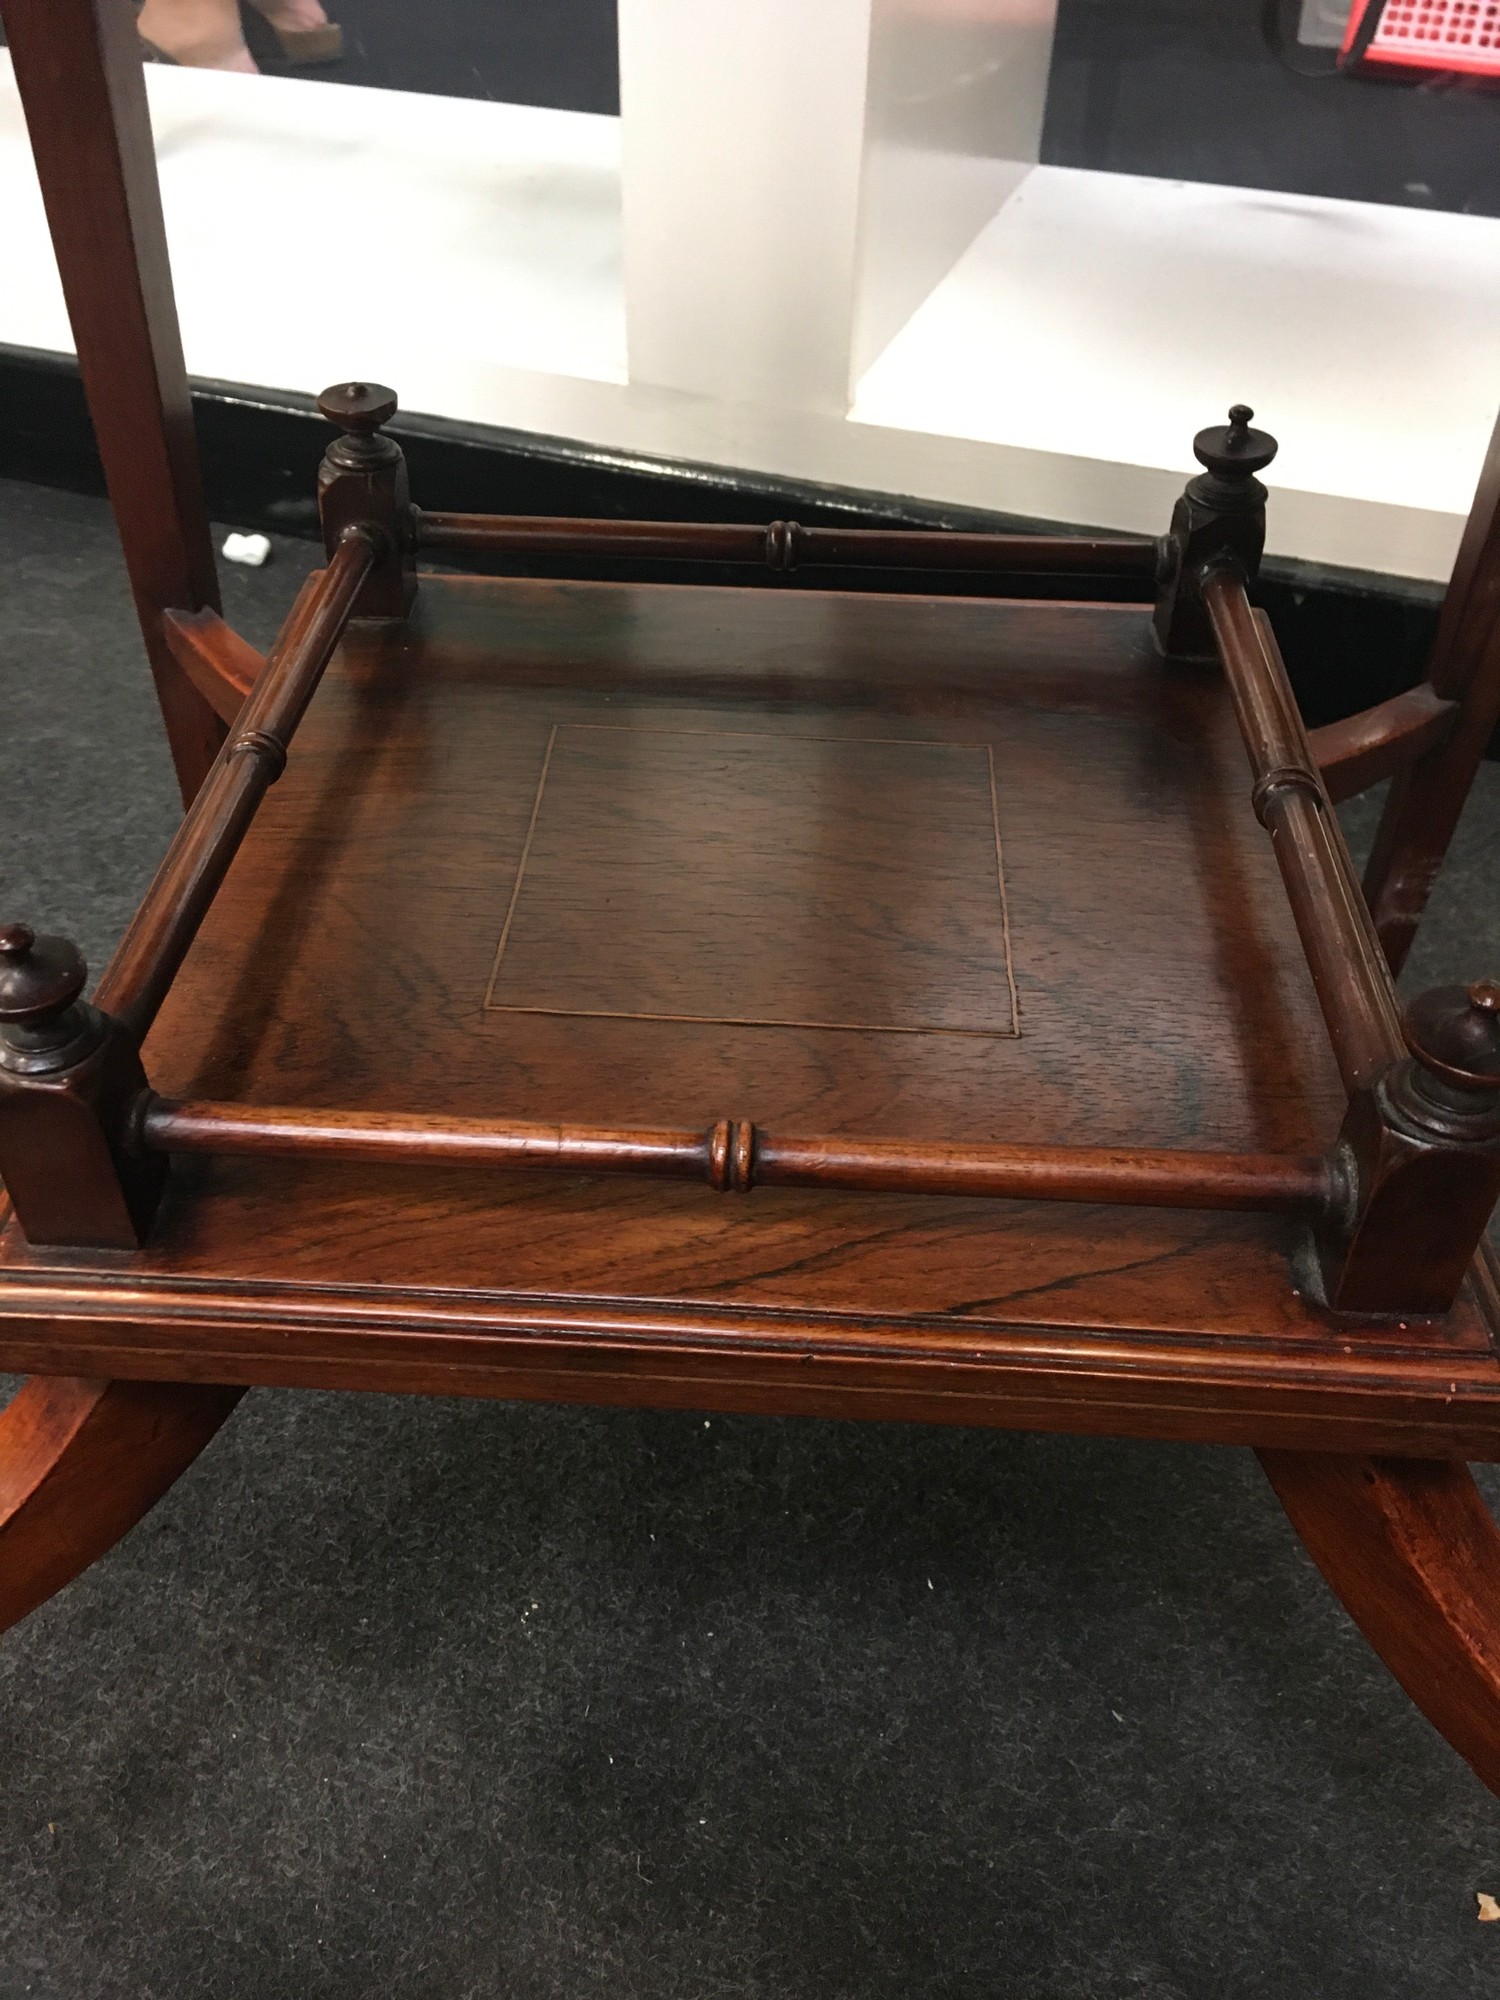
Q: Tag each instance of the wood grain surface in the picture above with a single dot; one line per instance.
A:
(842, 882)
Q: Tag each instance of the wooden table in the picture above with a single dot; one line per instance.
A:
(776, 996)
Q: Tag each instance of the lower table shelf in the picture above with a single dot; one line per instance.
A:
(896, 868)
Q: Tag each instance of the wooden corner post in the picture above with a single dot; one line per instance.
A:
(78, 70)
(1420, 1149)
(362, 483)
(1220, 519)
(70, 1081)
(1416, 1168)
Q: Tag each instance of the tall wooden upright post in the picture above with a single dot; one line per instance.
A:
(82, 1460)
(1425, 800)
(78, 69)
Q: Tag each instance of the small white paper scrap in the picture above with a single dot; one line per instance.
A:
(251, 549)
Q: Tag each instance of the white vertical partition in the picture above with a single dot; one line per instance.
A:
(799, 174)
(953, 124)
(741, 134)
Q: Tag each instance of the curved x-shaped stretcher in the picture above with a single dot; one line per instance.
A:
(1408, 1545)
(80, 1463)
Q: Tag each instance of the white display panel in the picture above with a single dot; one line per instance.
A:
(1099, 315)
(742, 124)
(474, 254)
(955, 96)
(797, 178)
(462, 237)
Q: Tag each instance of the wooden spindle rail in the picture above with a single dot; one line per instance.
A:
(785, 545)
(733, 1155)
(250, 762)
(1348, 969)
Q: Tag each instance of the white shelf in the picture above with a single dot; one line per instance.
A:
(470, 253)
(321, 232)
(1109, 316)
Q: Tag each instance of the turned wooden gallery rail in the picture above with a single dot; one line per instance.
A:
(733, 1155)
(787, 545)
(1396, 1207)
(252, 759)
(1353, 984)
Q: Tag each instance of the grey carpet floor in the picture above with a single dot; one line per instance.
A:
(411, 1698)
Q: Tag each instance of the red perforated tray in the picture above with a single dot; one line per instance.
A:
(1434, 34)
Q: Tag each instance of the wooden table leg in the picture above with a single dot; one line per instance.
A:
(1412, 1550)
(80, 1463)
